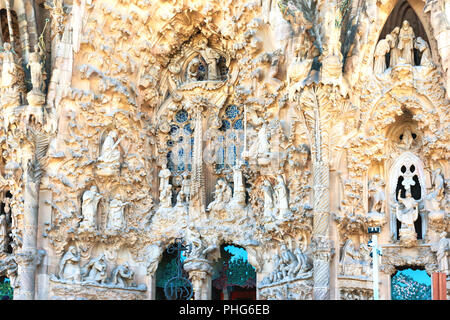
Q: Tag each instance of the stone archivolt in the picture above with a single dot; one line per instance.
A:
(276, 126)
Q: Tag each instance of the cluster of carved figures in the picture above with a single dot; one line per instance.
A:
(93, 272)
(400, 45)
(262, 124)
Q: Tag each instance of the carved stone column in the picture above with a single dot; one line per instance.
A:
(200, 272)
(28, 257)
(315, 106)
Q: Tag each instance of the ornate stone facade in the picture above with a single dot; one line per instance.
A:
(285, 127)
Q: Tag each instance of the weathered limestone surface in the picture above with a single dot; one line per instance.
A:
(285, 127)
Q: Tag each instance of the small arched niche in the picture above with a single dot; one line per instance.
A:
(407, 178)
(403, 11)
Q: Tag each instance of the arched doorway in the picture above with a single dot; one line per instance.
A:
(167, 269)
(410, 283)
(234, 278)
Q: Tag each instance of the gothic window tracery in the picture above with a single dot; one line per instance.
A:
(180, 142)
(231, 138)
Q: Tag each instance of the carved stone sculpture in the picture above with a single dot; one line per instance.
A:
(36, 69)
(122, 274)
(282, 198)
(269, 209)
(260, 150)
(211, 58)
(95, 270)
(69, 266)
(406, 42)
(3, 233)
(381, 50)
(222, 196)
(193, 72)
(354, 261)
(395, 51)
(407, 212)
(423, 47)
(443, 247)
(116, 218)
(89, 205)
(376, 195)
(108, 163)
(8, 66)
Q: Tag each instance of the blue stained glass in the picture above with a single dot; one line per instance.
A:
(232, 111)
(225, 125)
(170, 143)
(174, 129)
(181, 166)
(188, 129)
(180, 139)
(232, 135)
(192, 141)
(238, 124)
(181, 116)
(180, 152)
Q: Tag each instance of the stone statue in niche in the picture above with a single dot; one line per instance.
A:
(442, 247)
(437, 183)
(122, 274)
(36, 69)
(8, 66)
(193, 72)
(260, 150)
(164, 176)
(211, 58)
(186, 187)
(282, 198)
(354, 261)
(165, 188)
(269, 210)
(108, 162)
(381, 50)
(407, 212)
(376, 195)
(238, 185)
(89, 205)
(116, 218)
(69, 266)
(222, 196)
(434, 199)
(95, 270)
(3, 233)
(395, 51)
(422, 46)
(406, 43)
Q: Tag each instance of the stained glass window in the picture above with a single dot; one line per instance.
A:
(180, 144)
(231, 140)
